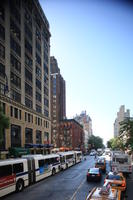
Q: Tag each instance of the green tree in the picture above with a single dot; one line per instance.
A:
(115, 143)
(4, 124)
(96, 142)
(126, 131)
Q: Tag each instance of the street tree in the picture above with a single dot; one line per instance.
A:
(126, 130)
(95, 142)
(115, 143)
(4, 124)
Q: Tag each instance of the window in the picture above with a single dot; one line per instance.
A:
(45, 68)
(38, 121)
(28, 103)
(15, 63)
(2, 13)
(25, 116)
(15, 136)
(38, 108)
(46, 102)
(38, 46)
(16, 96)
(2, 51)
(28, 117)
(46, 137)
(45, 91)
(38, 137)
(15, 112)
(2, 32)
(38, 59)
(20, 114)
(15, 46)
(28, 135)
(15, 13)
(28, 89)
(46, 113)
(38, 71)
(38, 97)
(38, 34)
(45, 57)
(45, 79)
(41, 163)
(2, 70)
(11, 111)
(38, 84)
(28, 61)
(17, 168)
(28, 32)
(5, 170)
(3, 106)
(15, 30)
(28, 18)
(46, 46)
(28, 75)
(15, 80)
(28, 47)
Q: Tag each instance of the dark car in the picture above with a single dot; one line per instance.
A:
(94, 174)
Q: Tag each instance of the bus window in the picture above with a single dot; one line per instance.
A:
(41, 163)
(17, 168)
(5, 170)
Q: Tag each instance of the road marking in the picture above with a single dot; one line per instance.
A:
(74, 195)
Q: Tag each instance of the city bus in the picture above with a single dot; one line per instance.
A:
(13, 175)
(67, 159)
(41, 166)
(78, 156)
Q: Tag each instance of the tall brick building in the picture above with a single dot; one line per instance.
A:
(71, 134)
(58, 100)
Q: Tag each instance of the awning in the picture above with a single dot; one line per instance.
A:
(18, 151)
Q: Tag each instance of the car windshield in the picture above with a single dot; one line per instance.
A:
(93, 170)
(114, 177)
(100, 163)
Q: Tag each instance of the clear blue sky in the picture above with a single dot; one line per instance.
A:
(93, 44)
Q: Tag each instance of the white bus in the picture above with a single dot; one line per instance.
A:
(42, 166)
(67, 159)
(13, 175)
(78, 156)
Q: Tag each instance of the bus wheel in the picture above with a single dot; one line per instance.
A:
(53, 171)
(19, 185)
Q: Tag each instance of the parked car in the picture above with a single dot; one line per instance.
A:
(105, 192)
(101, 163)
(94, 174)
(116, 180)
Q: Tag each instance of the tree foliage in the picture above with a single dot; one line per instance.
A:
(115, 143)
(96, 142)
(126, 130)
(4, 123)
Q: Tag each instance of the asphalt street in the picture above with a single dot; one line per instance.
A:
(70, 184)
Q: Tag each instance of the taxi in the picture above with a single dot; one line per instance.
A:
(104, 193)
(101, 163)
(116, 180)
